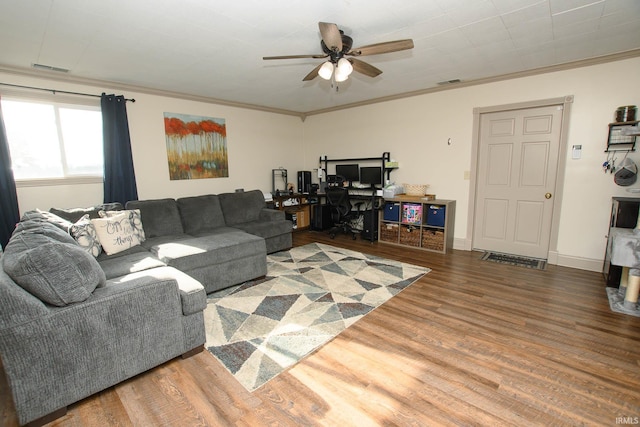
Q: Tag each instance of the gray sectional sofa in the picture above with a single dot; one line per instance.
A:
(73, 324)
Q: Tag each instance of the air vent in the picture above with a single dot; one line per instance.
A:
(449, 82)
(49, 68)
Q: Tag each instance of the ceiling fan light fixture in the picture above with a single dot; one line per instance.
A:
(336, 45)
(343, 70)
(340, 77)
(326, 70)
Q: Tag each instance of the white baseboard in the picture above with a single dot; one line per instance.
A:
(575, 262)
(462, 244)
(554, 257)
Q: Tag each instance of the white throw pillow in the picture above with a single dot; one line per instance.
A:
(135, 218)
(116, 233)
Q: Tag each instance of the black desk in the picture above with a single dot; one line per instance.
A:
(369, 213)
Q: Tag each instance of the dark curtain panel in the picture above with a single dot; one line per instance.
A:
(119, 177)
(9, 213)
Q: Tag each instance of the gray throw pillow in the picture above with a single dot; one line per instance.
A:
(73, 215)
(57, 273)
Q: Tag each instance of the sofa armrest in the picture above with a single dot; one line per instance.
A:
(123, 329)
(267, 214)
(192, 294)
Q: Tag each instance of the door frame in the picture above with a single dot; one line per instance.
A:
(565, 102)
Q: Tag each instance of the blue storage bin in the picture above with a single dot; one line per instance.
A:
(392, 211)
(435, 215)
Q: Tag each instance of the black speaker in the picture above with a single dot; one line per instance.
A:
(370, 225)
(304, 181)
(321, 218)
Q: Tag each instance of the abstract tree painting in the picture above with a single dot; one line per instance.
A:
(196, 146)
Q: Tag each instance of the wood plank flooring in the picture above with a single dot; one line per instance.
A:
(471, 343)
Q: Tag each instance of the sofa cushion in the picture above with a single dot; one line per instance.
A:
(214, 231)
(242, 207)
(160, 217)
(40, 215)
(200, 213)
(44, 228)
(149, 244)
(56, 273)
(132, 260)
(198, 252)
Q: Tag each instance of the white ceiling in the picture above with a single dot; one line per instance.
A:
(214, 49)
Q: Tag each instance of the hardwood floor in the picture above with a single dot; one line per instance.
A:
(471, 343)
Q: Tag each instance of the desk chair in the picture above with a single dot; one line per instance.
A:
(342, 213)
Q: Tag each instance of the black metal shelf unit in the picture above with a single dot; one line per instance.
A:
(324, 162)
(384, 159)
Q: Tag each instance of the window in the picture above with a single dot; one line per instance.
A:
(53, 140)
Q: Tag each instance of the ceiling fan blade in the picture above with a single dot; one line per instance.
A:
(385, 47)
(331, 35)
(312, 75)
(364, 68)
(293, 56)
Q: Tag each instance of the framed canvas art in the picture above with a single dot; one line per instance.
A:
(196, 146)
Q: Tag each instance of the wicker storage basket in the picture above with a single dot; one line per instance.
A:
(433, 239)
(414, 189)
(410, 236)
(389, 233)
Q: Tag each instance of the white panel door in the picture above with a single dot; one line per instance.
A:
(517, 167)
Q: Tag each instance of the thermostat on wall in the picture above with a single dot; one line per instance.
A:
(576, 152)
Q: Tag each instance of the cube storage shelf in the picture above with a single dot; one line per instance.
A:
(414, 222)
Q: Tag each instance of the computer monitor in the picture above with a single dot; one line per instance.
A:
(350, 173)
(371, 175)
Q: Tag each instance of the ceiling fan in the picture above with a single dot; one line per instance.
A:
(337, 47)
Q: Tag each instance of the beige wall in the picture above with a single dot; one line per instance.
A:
(257, 142)
(415, 130)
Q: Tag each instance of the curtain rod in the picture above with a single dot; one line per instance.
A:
(54, 91)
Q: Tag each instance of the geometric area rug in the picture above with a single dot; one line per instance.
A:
(520, 261)
(309, 295)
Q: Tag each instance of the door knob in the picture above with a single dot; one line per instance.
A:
(547, 196)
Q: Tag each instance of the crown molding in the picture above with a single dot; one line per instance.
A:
(510, 76)
(101, 84)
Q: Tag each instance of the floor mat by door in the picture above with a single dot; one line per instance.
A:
(520, 261)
